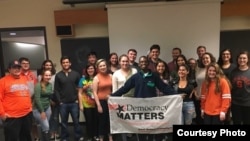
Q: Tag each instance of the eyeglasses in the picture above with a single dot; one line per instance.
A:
(25, 63)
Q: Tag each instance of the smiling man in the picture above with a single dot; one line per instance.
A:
(66, 82)
(15, 104)
(145, 83)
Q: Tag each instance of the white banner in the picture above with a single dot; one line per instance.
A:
(144, 115)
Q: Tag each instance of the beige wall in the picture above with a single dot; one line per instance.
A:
(29, 13)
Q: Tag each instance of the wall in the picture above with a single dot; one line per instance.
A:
(30, 13)
(25, 13)
(235, 23)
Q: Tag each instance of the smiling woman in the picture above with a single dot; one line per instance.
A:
(29, 42)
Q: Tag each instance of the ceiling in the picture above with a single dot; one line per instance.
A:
(24, 36)
(105, 1)
(23, 33)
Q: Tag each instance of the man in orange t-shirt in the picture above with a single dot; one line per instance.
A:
(15, 105)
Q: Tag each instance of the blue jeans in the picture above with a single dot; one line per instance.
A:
(188, 112)
(54, 119)
(43, 123)
(73, 110)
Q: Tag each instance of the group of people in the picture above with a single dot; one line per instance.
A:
(26, 100)
(214, 92)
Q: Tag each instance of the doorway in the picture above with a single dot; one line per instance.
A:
(29, 42)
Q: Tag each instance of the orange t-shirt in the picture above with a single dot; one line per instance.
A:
(15, 100)
(104, 86)
(213, 103)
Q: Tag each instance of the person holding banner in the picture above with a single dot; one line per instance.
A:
(121, 76)
(145, 83)
(163, 71)
(183, 85)
(102, 87)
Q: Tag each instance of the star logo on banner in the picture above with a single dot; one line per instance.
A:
(120, 108)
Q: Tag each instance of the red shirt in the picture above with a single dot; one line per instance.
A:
(32, 80)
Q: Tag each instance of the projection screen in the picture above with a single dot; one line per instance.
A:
(184, 24)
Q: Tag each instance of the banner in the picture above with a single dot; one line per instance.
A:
(144, 115)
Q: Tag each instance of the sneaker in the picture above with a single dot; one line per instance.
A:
(129, 135)
(96, 139)
(81, 139)
(52, 137)
(57, 136)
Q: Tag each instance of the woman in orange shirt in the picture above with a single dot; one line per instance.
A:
(215, 95)
(102, 87)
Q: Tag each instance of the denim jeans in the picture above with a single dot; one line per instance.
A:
(73, 110)
(54, 119)
(188, 112)
(43, 123)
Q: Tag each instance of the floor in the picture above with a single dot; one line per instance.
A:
(133, 138)
(117, 137)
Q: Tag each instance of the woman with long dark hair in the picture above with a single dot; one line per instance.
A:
(113, 63)
(200, 73)
(87, 101)
(240, 79)
(225, 62)
(54, 119)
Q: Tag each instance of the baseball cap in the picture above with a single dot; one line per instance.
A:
(14, 63)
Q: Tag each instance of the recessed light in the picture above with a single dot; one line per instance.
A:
(12, 33)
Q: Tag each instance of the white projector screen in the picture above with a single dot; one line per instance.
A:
(183, 24)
